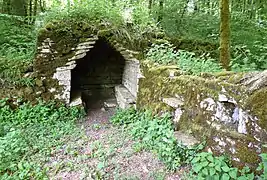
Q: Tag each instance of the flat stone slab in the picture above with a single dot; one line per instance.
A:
(173, 102)
(77, 101)
(185, 139)
(110, 103)
(124, 98)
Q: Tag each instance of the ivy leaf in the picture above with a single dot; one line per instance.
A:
(212, 172)
(210, 158)
(197, 168)
(205, 171)
(225, 168)
(233, 173)
(211, 164)
(216, 177)
(196, 159)
(204, 164)
(218, 168)
(225, 176)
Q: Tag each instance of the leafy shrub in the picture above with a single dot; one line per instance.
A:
(125, 117)
(29, 132)
(18, 44)
(166, 54)
(162, 54)
(246, 60)
(263, 166)
(89, 11)
(193, 65)
(206, 166)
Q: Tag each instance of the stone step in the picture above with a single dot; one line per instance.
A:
(124, 98)
(185, 139)
(76, 99)
(97, 86)
(110, 103)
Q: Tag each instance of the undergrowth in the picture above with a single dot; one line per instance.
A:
(17, 50)
(28, 134)
(156, 133)
(187, 61)
(243, 59)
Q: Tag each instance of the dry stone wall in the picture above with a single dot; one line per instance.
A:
(228, 110)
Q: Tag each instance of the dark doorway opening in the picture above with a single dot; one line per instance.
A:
(96, 75)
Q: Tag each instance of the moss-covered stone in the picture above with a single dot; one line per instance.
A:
(257, 104)
(203, 123)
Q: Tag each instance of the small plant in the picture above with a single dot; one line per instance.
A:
(124, 117)
(263, 166)
(206, 166)
(247, 60)
(195, 65)
(162, 54)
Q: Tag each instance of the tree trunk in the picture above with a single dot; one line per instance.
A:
(42, 7)
(225, 34)
(150, 2)
(160, 15)
(6, 9)
(30, 11)
(18, 7)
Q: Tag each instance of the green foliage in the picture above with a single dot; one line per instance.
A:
(188, 62)
(17, 38)
(206, 166)
(29, 133)
(263, 166)
(86, 11)
(157, 134)
(203, 25)
(246, 60)
(124, 117)
(143, 21)
(195, 65)
(162, 54)
(18, 42)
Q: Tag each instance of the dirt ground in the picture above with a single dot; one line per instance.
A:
(105, 152)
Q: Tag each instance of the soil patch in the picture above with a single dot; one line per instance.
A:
(104, 152)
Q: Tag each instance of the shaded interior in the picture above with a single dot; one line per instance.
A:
(96, 75)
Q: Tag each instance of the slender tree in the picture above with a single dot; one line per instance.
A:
(150, 2)
(19, 7)
(6, 8)
(160, 15)
(225, 34)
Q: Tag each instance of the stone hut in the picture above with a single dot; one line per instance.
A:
(85, 68)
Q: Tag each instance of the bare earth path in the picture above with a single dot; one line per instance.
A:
(104, 152)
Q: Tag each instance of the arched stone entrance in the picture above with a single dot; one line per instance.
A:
(96, 75)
